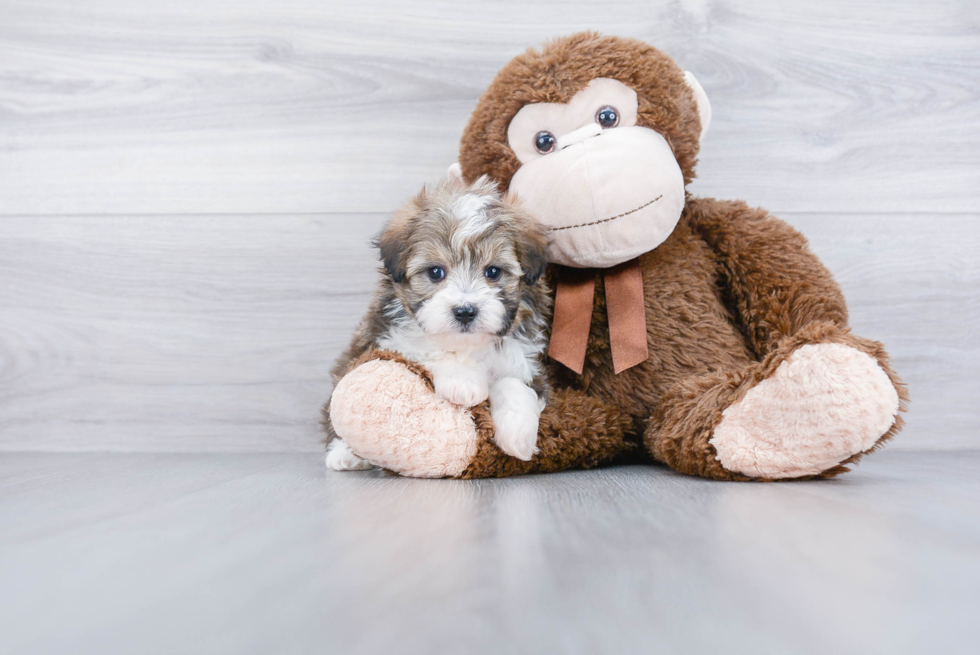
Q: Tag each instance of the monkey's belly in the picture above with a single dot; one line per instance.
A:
(689, 330)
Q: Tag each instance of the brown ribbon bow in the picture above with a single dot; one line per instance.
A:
(624, 307)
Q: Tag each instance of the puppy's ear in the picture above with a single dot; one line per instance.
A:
(392, 255)
(483, 185)
(393, 242)
(532, 247)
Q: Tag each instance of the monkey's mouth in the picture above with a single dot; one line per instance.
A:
(606, 220)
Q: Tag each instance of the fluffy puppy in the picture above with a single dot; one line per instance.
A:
(461, 293)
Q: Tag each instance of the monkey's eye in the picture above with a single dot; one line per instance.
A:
(544, 142)
(607, 117)
(435, 273)
(492, 273)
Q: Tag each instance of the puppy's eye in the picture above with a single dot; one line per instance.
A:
(435, 273)
(492, 273)
(607, 117)
(544, 142)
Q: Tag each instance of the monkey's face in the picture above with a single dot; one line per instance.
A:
(607, 189)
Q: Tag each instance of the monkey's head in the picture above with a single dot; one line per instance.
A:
(598, 136)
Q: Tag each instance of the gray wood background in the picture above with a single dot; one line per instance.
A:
(187, 189)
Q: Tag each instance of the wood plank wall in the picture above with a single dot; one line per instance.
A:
(187, 189)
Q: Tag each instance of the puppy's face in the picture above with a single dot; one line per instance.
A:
(460, 258)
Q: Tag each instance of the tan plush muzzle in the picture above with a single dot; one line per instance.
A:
(606, 198)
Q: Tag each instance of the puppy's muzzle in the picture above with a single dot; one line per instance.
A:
(465, 313)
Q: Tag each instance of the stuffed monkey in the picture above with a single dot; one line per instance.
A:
(701, 333)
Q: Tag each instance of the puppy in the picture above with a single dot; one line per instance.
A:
(461, 293)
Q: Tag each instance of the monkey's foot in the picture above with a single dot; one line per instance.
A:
(822, 405)
(388, 414)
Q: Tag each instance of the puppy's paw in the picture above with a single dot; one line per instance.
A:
(516, 432)
(461, 387)
(341, 458)
(515, 411)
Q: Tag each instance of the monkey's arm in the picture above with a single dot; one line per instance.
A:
(775, 285)
(387, 411)
(818, 397)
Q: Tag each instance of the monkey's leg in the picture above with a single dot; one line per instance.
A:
(386, 411)
(819, 401)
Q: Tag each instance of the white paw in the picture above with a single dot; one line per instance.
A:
(341, 458)
(461, 387)
(515, 411)
(824, 404)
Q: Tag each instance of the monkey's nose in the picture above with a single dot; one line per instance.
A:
(587, 131)
(464, 313)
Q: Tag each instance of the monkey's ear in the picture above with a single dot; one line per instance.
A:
(701, 98)
(455, 172)
(392, 243)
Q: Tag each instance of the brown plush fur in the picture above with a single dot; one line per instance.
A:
(568, 416)
(730, 294)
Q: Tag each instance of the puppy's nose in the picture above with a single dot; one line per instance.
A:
(464, 313)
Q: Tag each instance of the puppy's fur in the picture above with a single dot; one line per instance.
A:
(439, 302)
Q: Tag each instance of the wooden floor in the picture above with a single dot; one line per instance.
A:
(270, 553)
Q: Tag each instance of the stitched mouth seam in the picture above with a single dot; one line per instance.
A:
(606, 220)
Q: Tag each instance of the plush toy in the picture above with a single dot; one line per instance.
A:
(699, 333)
